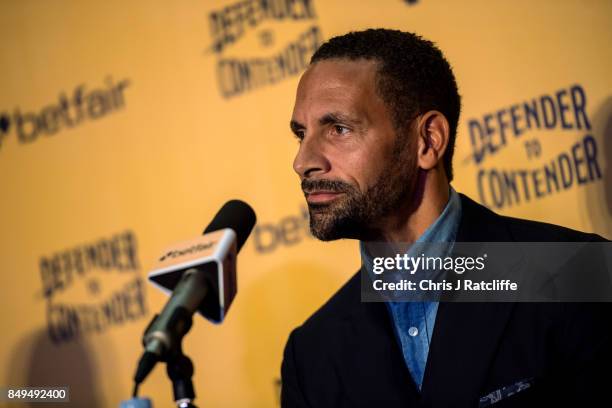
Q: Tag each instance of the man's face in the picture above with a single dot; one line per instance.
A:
(354, 167)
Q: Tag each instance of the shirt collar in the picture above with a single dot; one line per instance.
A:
(443, 229)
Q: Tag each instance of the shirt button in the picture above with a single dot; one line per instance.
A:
(413, 331)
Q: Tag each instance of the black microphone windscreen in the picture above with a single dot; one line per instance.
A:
(237, 215)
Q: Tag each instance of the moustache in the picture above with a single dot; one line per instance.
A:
(335, 186)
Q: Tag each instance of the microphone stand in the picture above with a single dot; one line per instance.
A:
(178, 366)
(180, 369)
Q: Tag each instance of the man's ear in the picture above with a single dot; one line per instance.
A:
(433, 132)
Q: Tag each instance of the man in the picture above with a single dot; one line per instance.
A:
(376, 116)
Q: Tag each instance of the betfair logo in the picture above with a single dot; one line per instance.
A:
(81, 105)
(187, 251)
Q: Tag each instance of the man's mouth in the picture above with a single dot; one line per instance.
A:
(322, 196)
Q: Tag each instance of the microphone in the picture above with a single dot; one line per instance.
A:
(200, 275)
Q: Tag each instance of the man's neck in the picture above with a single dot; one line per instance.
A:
(408, 224)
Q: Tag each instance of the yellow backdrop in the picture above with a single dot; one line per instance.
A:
(124, 126)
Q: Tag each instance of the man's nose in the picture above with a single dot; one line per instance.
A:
(311, 159)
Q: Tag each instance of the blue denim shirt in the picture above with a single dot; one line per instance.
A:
(414, 321)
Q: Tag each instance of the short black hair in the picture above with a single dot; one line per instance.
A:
(413, 76)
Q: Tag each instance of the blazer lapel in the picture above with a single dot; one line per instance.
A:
(463, 345)
(370, 360)
(466, 335)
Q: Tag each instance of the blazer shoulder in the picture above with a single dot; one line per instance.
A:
(337, 308)
(524, 230)
(477, 217)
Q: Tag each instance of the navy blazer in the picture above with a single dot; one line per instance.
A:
(481, 354)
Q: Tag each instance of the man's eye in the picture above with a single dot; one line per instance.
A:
(299, 135)
(341, 130)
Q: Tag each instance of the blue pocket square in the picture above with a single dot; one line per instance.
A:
(505, 392)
